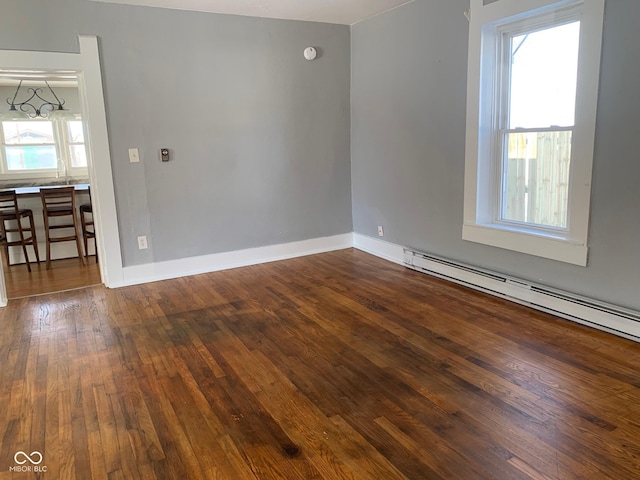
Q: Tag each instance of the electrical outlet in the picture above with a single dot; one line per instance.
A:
(380, 231)
(142, 243)
(134, 155)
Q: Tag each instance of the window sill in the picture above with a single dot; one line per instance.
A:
(538, 244)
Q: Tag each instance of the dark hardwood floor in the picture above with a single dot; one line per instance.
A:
(332, 366)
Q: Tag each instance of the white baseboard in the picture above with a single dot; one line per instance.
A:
(389, 251)
(153, 272)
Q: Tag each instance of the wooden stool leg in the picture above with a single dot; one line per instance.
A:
(32, 229)
(5, 256)
(5, 245)
(83, 224)
(78, 246)
(24, 246)
(48, 239)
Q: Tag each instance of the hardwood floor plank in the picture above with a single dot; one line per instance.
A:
(66, 274)
(438, 456)
(331, 366)
(349, 388)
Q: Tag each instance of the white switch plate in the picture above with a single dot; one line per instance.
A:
(134, 155)
(380, 231)
(142, 243)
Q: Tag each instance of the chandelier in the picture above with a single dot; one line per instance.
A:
(36, 105)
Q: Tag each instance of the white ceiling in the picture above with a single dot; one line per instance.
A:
(346, 12)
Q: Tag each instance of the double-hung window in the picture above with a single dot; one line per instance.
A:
(42, 149)
(532, 92)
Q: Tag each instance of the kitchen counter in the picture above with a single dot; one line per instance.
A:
(35, 191)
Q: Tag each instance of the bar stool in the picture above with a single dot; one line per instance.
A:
(60, 202)
(88, 227)
(9, 211)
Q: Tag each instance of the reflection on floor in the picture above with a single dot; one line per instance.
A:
(64, 274)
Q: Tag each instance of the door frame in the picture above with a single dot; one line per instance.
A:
(87, 66)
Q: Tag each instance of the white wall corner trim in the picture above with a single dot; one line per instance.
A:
(153, 272)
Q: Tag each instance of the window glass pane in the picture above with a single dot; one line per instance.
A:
(76, 133)
(27, 133)
(544, 69)
(536, 178)
(31, 157)
(78, 156)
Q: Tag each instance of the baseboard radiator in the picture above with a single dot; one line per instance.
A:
(604, 316)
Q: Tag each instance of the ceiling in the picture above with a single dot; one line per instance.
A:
(36, 78)
(346, 12)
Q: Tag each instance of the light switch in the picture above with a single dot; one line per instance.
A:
(142, 242)
(134, 156)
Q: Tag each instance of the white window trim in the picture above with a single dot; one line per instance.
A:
(479, 225)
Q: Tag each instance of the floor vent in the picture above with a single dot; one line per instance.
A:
(604, 316)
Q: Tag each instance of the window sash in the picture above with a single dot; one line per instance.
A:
(543, 193)
(501, 114)
(67, 144)
(24, 147)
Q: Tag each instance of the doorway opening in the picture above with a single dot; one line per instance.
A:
(85, 67)
(42, 144)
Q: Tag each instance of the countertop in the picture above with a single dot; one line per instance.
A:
(35, 191)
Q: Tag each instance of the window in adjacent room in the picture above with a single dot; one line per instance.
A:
(75, 144)
(42, 149)
(29, 146)
(533, 80)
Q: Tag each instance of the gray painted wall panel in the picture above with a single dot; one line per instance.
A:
(408, 125)
(259, 137)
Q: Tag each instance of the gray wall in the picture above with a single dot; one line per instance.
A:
(408, 126)
(259, 137)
